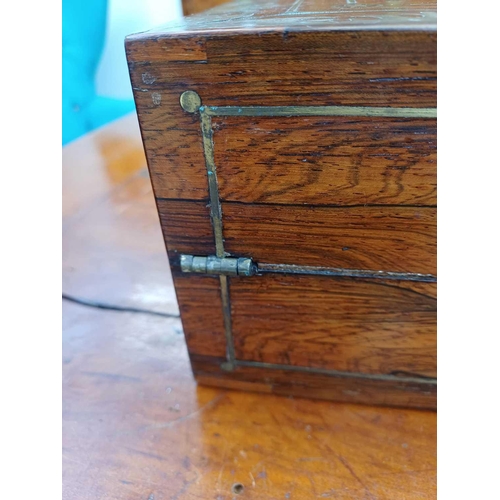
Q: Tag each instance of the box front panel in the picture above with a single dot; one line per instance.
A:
(322, 171)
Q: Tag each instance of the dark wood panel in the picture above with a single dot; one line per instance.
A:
(326, 161)
(312, 385)
(327, 45)
(399, 239)
(200, 305)
(186, 227)
(372, 69)
(174, 148)
(330, 68)
(362, 326)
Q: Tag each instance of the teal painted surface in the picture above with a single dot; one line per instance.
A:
(84, 31)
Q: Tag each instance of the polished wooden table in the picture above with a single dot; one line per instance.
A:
(136, 425)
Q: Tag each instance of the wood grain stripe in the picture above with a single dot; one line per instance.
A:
(379, 239)
(344, 324)
(326, 161)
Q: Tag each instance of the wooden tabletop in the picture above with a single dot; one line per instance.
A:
(136, 425)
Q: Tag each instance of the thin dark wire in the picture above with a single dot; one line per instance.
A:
(111, 307)
(410, 374)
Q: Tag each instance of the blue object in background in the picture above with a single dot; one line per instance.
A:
(84, 29)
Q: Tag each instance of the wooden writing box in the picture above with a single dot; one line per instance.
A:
(292, 151)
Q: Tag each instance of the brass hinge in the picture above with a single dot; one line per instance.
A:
(229, 266)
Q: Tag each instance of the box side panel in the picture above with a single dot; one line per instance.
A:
(361, 69)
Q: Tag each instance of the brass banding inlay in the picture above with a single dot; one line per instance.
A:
(319, 111)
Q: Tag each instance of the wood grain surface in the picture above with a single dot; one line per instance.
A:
(201, 309)
(190, 7)
(326, 161)
(93, 167)
(377, 238)
(183, 147)
(107, 206)
(187, 227)
(346, 324)
(136, 425)
(303, 68)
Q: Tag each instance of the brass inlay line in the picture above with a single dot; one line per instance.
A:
(318, 111)
(323, 371)
(228, 331)
(191, 102)
(213, 187)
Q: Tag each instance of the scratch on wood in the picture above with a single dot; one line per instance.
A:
(219, 477)
(345, 463)
(172, 423)
(312, 459)
(311, 481)
(115, 377)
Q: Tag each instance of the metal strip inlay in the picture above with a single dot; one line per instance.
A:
(213, 187)
(380, 112)
(226, 309)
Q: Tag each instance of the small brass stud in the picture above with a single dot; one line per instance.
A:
(190, 101)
